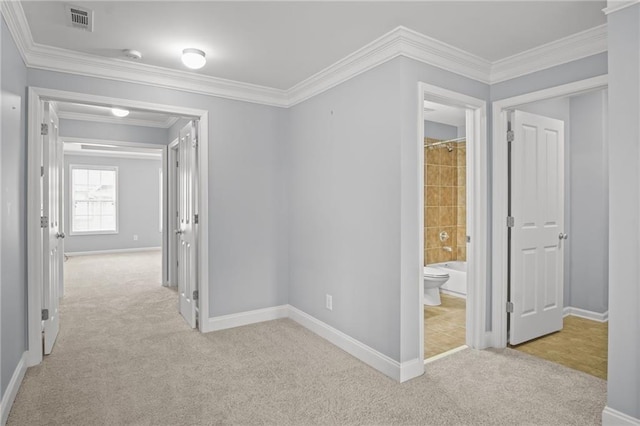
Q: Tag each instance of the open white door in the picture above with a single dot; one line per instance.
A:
(53, 256)
(187, 222)
(537, 234)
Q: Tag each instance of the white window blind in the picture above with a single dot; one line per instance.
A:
(94, 199)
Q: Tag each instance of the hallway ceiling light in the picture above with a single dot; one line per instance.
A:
(193, 58)
(119, 112)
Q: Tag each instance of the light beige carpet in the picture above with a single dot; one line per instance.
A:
(125, 356)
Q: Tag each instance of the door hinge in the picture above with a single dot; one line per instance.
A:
(509, 307)
(177, 164)
(195, 219)
(45, 314)
(44, 222)
(511, 222)
(195, 294)
(41, 170)
(44, 129)
(468, 238)
(510, 136)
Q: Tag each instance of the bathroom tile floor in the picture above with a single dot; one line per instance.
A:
(581, 345)
(444, 325)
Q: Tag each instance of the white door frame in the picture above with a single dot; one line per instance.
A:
(170, 209)
(500, 195)
(34, 234)
(477, 215)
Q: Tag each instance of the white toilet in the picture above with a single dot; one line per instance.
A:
(434, 278)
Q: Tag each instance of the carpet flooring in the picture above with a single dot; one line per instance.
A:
(124, 356)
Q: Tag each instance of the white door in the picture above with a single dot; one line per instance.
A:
(187, 271)
(53, 255)
(537, 208)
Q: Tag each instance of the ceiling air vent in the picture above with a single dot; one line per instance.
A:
(79, 17)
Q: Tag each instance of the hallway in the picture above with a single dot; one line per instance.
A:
(125, 356)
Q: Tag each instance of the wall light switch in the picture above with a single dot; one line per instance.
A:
(135, 237)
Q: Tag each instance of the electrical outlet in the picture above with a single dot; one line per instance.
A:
(135, 237)
(329, 302)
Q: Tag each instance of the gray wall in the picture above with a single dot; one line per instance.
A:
(344, 190)
(116, 132)
(13, 210)
(439, 131)
(138, 205)
(348, 177)
(247, 201)
(623, 384)
(589, 222)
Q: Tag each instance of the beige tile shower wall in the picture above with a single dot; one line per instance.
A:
(445, 202)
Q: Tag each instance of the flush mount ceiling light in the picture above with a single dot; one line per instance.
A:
(132, 54)
(119, 112)
(193, 58)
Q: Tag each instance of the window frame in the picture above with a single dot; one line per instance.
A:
(72, 167)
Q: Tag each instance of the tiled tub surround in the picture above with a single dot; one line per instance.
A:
(445, 196)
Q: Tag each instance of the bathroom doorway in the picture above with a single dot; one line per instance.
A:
(453, 200)
(445, 228)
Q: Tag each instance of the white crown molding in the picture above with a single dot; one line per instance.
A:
(67, 115)
(618, 5)
(558, 52)
(399, 42)
(62, 60)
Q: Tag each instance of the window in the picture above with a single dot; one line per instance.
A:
(94, 200)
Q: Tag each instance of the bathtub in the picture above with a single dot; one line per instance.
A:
(457, 284)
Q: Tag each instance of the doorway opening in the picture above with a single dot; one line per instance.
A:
(551, 251)
(452, 184)
(102, 213)
(445, 230)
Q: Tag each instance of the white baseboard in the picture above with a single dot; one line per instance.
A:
(114, 251)
(398, 371)
(12, 389)
(379, 361)
(245, 318)
(582, 313)
(611, 417)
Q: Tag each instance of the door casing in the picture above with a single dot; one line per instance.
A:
(34, 193)
(476, 117)
(500, 193)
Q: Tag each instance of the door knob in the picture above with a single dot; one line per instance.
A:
(179, 231)
(563, 236)
(60, 235)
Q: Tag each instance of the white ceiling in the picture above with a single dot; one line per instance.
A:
(439, 113)
(96, 113)
(279, 44)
